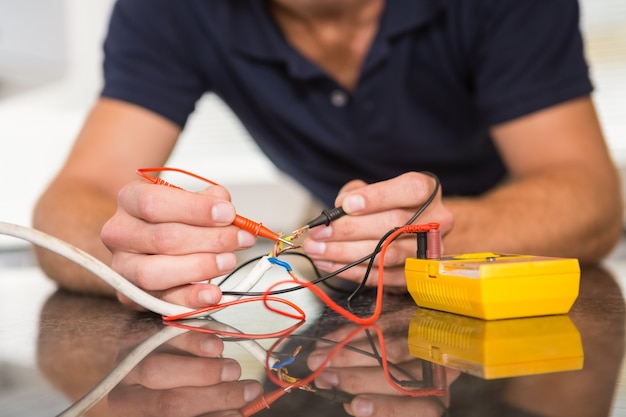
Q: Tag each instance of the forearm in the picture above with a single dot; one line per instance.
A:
(74, 213)
(567, 212)
(116, 139)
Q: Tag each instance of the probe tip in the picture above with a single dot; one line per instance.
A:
(296, 233)
(286, 242)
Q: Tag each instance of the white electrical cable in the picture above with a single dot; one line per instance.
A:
(254, 276)
(93, 265)
(122, 285)
(142, 298)
(115, 280)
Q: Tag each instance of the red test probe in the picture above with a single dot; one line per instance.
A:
(257, 229)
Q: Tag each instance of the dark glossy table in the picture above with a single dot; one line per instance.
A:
(67, 354)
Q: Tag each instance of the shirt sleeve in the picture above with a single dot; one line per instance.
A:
(528, 55)
(149, 58)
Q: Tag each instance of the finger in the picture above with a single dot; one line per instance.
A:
(159, 204)
(348, 187)
(394, 260)
(358, 380)
(362, 227)
(394, 278)
(161, 371)
(160, 272)
(196, 344)
(372, 405)
(338, 252)
(361, 354)
(182, 402)
(193, 295)
(124, 300)
(128, 234)
(348, 252)
(407, 190)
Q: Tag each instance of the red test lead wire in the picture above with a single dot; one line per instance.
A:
(257, 229)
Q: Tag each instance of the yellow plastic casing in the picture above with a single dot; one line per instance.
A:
(497, 348)
(494, 286)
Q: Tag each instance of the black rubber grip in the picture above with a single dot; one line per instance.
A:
(327, 216)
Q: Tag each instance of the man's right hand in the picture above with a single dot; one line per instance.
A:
(172, 242)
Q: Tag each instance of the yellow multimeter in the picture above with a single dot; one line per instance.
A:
(494, 286)
(493, 349)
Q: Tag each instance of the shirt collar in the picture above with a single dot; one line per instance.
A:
(254, 34)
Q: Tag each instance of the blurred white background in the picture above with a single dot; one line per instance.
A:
(50, 55)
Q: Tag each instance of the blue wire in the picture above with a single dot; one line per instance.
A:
(284, 363)
(278, 262)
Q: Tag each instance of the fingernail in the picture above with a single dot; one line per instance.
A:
(327, 380)
(362, 407)
(223, 213)
(245, 239)
(225, 261)
(313, 247)
(230, 371)
(252, 391)
(208, 297)
(354, 203)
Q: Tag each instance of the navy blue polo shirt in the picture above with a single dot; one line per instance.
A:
(438, 75)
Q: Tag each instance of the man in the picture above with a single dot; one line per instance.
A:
(355, 99)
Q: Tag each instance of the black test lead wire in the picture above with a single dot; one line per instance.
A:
(328, 215)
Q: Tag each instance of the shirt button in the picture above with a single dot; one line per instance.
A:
(339, 98)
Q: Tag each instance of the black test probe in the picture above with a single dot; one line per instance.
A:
(327, 216)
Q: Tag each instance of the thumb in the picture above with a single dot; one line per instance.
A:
(345, 191)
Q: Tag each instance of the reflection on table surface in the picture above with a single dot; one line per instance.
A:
(111, 361)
